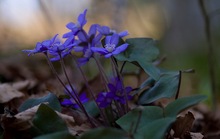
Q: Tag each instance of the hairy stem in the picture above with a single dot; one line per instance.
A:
(57, 76)
(103, 75)
(88, 87)
(121, 80)
(75, 93)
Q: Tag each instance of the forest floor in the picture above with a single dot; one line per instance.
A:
(25, 77)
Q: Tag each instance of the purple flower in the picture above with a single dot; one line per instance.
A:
(119, 91)
(86, 42)
(75, 27)
(104, 99)
(111, 47)
(59, 50)
(42, 47)
(70, 102)
(116, 93)
(106, 31)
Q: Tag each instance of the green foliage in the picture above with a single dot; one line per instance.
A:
(50, 98)
(105, 133)
(91, 108)
(146, 121)
(139, 117)
(165, 87)
(142, 51)
(154, 130)
(175, 107)
(47, 121)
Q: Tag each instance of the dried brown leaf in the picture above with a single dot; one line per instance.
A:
(196, 135)
(23, 121)
(27, 84)
(183, 125)
(78, 130)
(7, 93)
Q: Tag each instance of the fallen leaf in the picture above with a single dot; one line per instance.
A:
(183, 125)
(7, 93)
(79, 130)
(196, 135)
(23, 121)
(27, 84)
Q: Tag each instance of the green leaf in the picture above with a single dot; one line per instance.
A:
(57, 135)
(150, 69)
(46, 120)
(139, 117)
(146, 122)
(105, 133)
(143, 52)
(91, 108)
(165, 87)
(50, 98)
(152, 121)
(155, 130)
(139, 48)
(175, 107)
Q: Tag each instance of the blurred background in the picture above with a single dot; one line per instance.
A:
(179, 26)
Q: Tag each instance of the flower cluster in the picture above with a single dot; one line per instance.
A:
(78, 40)
(99, 40)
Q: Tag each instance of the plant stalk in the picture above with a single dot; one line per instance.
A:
(211, 57)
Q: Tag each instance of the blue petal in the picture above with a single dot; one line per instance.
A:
(66, 102)
(108, 55)
(46, 43)
(82, 61)
(128, 89)
(30, 52)
(71, 25)
(69, 40)
(123, 34)
(120, 49)
(68, 34)
(82, 18)
(54, 38)
(112, 87)
(38, 46)
(108, 39)
(114, 39)
(100, 97)
(92, 30)
(105, 30)
(83, 97)
(97, 39)
(82, 36)
(57, 58)
(99, 50)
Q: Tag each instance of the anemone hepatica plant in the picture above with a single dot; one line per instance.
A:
(118, 110)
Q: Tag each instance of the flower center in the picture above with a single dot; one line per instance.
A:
(112, 31)
(110, 47)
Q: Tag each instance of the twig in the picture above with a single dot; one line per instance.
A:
(210, 53)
